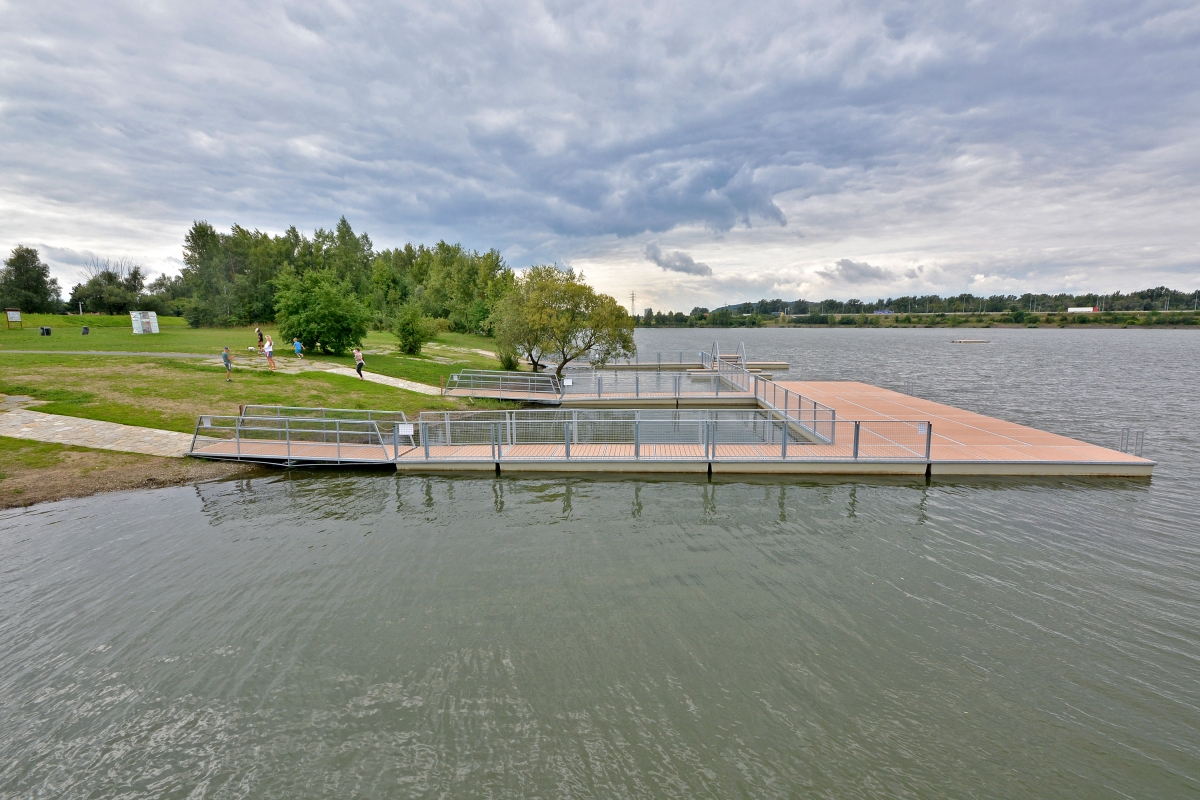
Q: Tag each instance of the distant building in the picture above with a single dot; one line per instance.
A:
(1083, 310)
(884, 311)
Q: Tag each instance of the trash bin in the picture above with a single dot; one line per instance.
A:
(86, 331)
(45, 331)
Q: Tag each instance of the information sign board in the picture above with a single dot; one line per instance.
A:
(144, 321)
(14, 315)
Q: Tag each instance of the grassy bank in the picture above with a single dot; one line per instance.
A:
(36, 472)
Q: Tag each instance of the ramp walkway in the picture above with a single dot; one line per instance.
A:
(23, 423)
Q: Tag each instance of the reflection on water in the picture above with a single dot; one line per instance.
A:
(341, 634)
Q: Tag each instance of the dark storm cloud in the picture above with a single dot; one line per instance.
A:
(534, 126)
(676, 261)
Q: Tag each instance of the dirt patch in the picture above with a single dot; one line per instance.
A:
(37, 472)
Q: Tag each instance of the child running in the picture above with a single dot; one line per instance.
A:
(299, 347)
(269, 349)
(359, 363)
(228, 359)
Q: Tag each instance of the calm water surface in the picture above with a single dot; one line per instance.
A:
(367, 635)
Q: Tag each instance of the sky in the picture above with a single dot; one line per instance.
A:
(694, 153)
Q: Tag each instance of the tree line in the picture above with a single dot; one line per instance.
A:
(330, 289)
(743, 314)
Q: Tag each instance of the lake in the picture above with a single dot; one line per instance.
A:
(363, 634)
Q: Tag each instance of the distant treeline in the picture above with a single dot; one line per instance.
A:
(819, 312)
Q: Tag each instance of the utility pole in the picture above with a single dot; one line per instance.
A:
(632, 304)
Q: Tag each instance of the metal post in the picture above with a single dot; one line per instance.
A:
(447, 416)
(637, 385)
(425, 438)
(637, 437)
(287, 433)
(337, 429)
(237, 435)
(928, 440)
(856, 424)
(1124, 440)
(395, 440)
(1137, 443)
(783, 449)
(712, 441)
(599, 387)
(575, 426)
(567, 438)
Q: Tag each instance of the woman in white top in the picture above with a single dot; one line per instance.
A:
(269, 349)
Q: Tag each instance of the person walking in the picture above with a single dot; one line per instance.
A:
(260, 340)
(359, 363)
(227, 357)
(269, 349)
(299, 348)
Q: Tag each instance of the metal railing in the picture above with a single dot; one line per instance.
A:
(306, 412)
(817, 417)
(505, 385)
(293, 440)
(660, 435)
(633, 384)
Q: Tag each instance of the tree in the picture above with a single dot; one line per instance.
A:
(25, 283)
(114, 286)
(412, 330)
(554, 312)
(320, 310)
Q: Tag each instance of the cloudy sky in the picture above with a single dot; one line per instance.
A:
(696, 153)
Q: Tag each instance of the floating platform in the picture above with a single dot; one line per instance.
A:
(814, 428)
(966, 443)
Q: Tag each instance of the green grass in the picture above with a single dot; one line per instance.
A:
(29, 454)
(172, 393)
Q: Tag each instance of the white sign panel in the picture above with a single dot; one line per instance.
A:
(14, 315)
(144, 321)
(405, 429)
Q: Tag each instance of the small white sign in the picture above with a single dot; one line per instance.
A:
(405, 429)
(14, 315)
(568, 382)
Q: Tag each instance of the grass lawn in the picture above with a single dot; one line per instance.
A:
(172, 393)
(34, 472)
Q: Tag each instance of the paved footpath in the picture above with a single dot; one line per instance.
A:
(21, 423)
(398, 383)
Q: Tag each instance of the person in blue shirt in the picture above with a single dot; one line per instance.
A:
(299, 347)
(227, 358)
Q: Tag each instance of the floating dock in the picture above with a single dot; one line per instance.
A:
(813, 428)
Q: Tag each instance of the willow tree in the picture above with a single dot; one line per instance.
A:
(556, 315)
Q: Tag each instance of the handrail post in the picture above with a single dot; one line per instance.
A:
(637, 439)
(856, 424)
(237, 435)
(287, 435)
(395, 441)
(425, 437)
(567, 438)
(928, 440)
(783, 448)
(337, 431)
(637, 385)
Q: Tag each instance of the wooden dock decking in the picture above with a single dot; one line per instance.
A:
(967, 443)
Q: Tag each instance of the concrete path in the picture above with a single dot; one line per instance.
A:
(398, 383)
(21, 423)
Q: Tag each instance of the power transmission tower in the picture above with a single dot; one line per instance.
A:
(632, 304)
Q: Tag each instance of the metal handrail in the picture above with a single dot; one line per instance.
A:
(509, 385)
(309, 412)
(661, 435)
(292, 432)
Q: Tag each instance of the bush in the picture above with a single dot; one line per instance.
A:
(322, 312)
(509, 361)
(412, 330)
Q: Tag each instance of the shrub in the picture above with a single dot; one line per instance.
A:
(412, 330)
